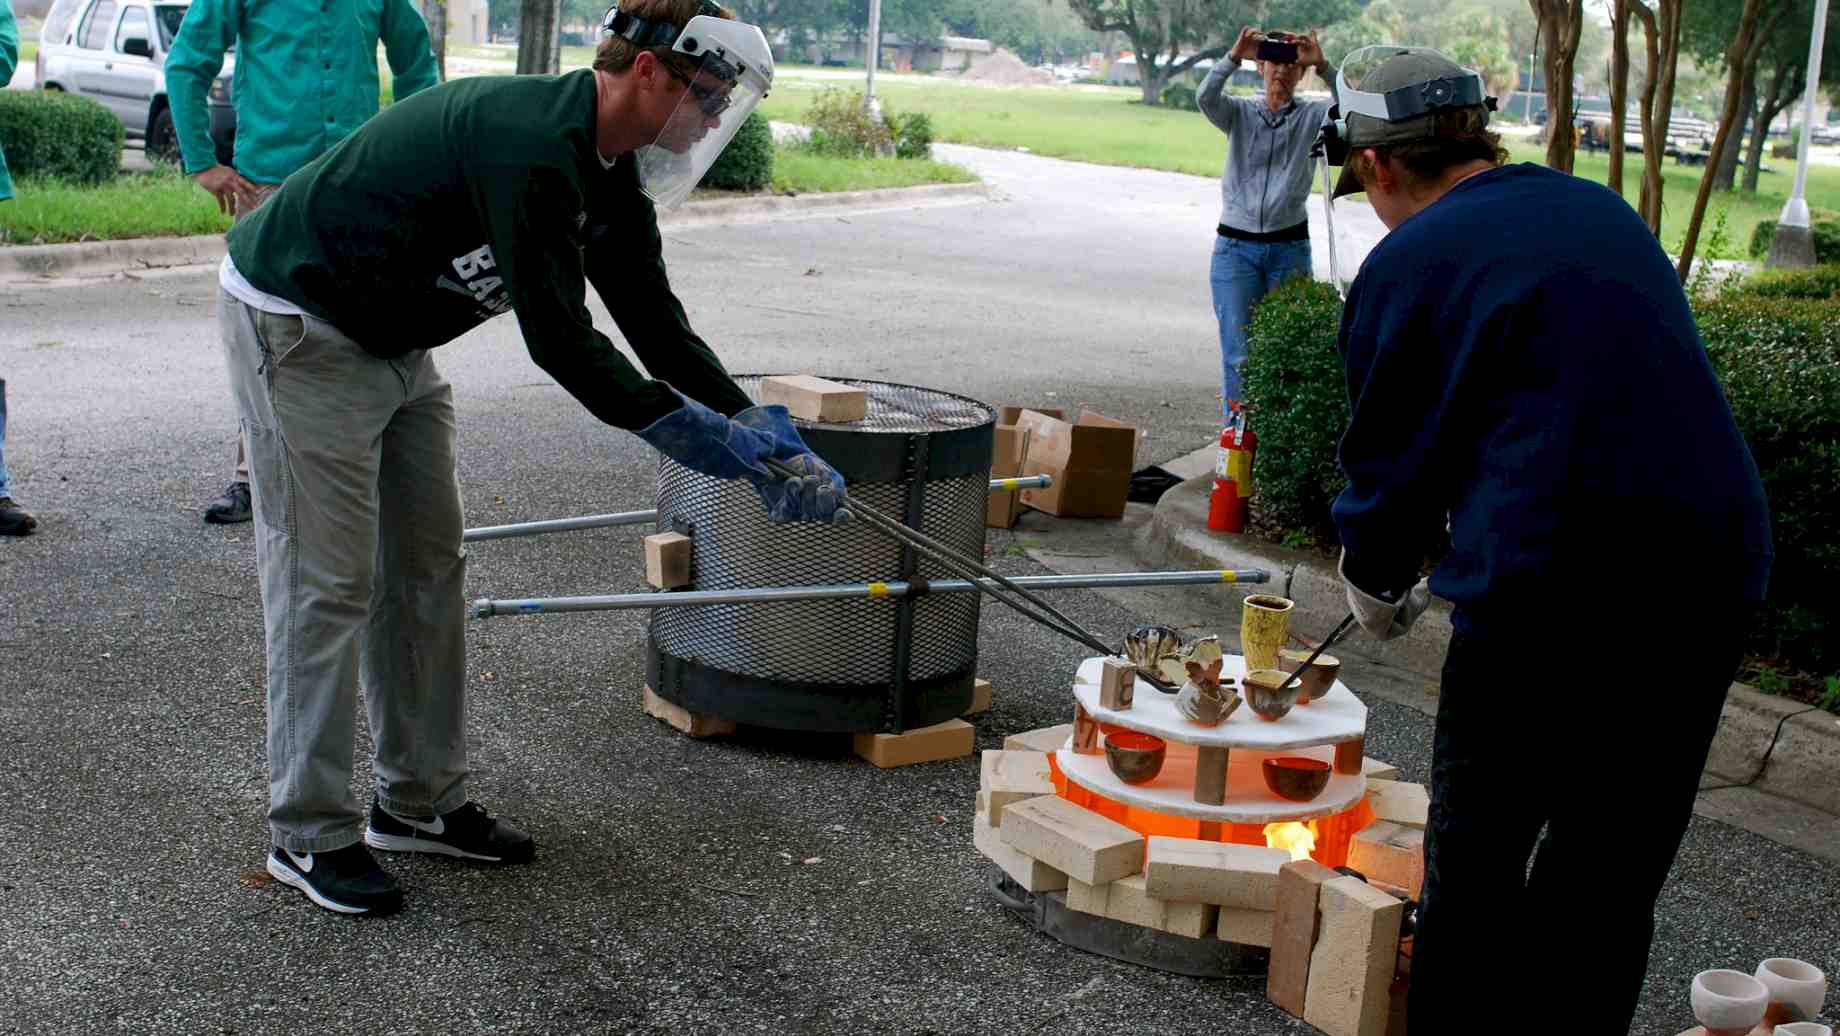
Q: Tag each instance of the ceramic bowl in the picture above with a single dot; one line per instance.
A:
(1797, 989)
(1296, 778)
(1802, 1029)
(1134, 757)
(1260, 689)
(1728, 1003)
(1147, 645)
(1320, 677)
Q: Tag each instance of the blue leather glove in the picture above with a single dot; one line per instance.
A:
(702, 440)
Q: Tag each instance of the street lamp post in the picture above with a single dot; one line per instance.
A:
(1793, 244)
(1527, 107)
(875, 53)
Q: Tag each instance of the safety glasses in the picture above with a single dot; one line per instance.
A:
(712, 101)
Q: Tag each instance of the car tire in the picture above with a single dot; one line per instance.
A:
(162, 138)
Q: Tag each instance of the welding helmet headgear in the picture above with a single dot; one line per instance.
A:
(733, 70)
(1391, 95)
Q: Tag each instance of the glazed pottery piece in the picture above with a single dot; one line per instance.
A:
(1802, 1029)
(1728, 1003)
(1260, 688)
(1320, 677)
(1134, 757)
(1146, 646)
(1797, 990)
(1265, 622)
(1202, 699)
(1295, 777)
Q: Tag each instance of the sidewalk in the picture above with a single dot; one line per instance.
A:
(1794, 799)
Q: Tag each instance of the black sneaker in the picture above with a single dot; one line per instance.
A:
(14, 521)
(465, 832)
(345, 881)
(231, 508)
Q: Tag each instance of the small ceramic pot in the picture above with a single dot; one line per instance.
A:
(1145, 646)
(1320, 677)
(1296, 778)
(1264, 623)
(1206, 703)
(1134, 757)
(1797, 989)
(1728, 1003)
(1802, 1029)
(1260, 689)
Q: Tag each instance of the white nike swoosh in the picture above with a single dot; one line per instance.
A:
(438, 826)
(303, 861)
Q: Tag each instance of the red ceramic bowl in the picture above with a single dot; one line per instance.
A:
(1135, 757)
(1296, 778)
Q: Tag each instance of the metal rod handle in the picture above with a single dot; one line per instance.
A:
(486, 608)
(601, 521)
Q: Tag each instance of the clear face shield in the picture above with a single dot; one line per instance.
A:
(733, 70)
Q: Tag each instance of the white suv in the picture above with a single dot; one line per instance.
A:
(114, 51)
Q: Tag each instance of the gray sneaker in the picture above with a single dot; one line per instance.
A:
(14, 521)
(232, 507)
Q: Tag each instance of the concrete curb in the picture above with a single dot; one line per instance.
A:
(1804, 766)
(106, 258)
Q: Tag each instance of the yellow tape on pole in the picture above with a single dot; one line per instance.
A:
(878, 589)
(1229, 576)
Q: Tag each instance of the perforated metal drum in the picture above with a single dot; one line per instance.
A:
(833, 665)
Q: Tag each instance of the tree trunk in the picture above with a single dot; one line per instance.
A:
(434, 12)
(1738, 61)
(539, 38)
(1747, 115)
(1558, 23)
(1619, 89)
(1151, 83)
(1649, 207)
(1785, 87)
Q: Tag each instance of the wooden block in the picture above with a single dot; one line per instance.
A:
(1127, 901)
(1188, 870)
(1073, 839)
(815, 399)
(1046, 739)
(667, 560)
(1246, 927)
(1294, 932)
(948, 740)
(1030, 873)
(1375, 770)
(694, 724)
(1210, 775)
(1390, 853)
(1348, 756)
(980, 699)
(1085, 732)
(1402, 802)
(1087, 899)
(1194, 920)
(1117, 681)
(1351, 968)
(1009, 776)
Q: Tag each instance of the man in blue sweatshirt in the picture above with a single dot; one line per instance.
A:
(1538, 387)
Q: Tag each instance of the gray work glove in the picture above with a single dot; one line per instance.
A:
(1384, 620)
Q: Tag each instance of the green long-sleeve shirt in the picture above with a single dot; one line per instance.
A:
(306, 75)
(9, 60)
(477, 197)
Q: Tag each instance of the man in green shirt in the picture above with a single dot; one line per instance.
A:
(306, 76)
(475, 198)
(14, 520)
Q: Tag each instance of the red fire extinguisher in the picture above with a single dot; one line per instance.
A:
(1227, 505)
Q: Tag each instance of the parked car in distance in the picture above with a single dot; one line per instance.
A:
(1824, 133)
(114, 51)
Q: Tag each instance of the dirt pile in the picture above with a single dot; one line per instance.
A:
(1003, 68)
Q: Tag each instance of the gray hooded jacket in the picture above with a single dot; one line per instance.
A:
(1266, 181)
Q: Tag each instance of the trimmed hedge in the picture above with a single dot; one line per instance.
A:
(58, 135)
(1299, 398)
(1826, 239)
(913, 135)
(1181, 96)
(841, 126)
(746, 164)
(1815, 282)
(1779, 359)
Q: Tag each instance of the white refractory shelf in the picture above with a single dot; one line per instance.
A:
(1311, 730)
(1335, 717)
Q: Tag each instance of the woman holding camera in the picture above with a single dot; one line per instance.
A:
(1264, 232)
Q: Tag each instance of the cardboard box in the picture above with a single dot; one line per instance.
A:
(1090, 460)
(1009, 448)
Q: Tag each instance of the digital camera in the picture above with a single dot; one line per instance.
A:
(1278, 47)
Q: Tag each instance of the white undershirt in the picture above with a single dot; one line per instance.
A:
(249, 295)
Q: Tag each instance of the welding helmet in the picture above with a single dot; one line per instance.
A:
(1391, 95)
(732, 70)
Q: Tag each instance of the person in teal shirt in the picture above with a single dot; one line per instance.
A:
(9, 60)
(306, 76)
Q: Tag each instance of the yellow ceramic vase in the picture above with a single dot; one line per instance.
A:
(1264, 624)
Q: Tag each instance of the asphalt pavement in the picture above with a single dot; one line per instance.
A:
(672, 892)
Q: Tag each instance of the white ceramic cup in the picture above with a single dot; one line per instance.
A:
(1728, 1002)
(1803, 1029)
(1797, 988)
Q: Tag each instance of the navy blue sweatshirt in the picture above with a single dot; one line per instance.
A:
(1521, 358)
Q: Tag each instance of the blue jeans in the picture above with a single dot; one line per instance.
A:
(5, 481)
(1241, 273)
